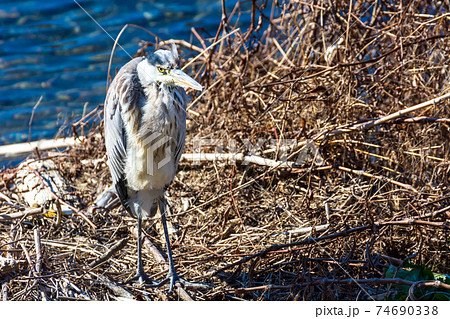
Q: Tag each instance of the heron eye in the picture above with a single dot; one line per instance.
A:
(163, 71)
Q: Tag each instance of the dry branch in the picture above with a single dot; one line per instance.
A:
(301, 75)
(380, 178)
(394, 116)
(25, 213)
(344, 233)
(41, 145)
(240, 157)
(359, 282)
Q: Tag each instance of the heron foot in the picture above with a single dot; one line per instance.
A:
(173, 278)
(141, 278)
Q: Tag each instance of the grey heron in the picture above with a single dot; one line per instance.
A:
(145, 128)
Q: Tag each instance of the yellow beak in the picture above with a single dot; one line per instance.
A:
(184, 80)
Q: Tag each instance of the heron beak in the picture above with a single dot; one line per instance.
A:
(184, 80)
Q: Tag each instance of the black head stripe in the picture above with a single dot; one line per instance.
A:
(163, 58)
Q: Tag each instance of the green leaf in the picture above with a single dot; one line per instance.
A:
(418, 273)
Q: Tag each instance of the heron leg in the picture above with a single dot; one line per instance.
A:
(140, 276)
(172, 272)
(172, 276)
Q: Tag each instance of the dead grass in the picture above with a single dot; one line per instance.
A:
(299, 86)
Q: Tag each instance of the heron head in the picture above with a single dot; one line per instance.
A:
(163, 66)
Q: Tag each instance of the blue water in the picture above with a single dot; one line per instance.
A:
(55, 50)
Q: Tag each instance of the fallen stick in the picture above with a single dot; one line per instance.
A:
(38, 247)
(303, 230)
(29, 212)
(239, 157)
(69, 246)
(116, 247)
(122, 292)
(41, 145)
(380, 178)
(38, 265)
(422, 119)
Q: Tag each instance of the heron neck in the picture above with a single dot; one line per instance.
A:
(144, 73)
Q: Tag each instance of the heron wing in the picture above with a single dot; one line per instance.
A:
(115, 138)
(180, 146)
(121, 97)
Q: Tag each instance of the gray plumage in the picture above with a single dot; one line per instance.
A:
(145, 127)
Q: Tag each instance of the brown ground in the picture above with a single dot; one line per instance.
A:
(304, 86)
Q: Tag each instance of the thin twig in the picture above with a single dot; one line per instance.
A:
(115, 248)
